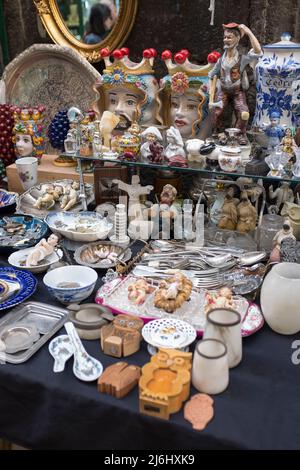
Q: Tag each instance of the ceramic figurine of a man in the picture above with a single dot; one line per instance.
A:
(274, 131)
(230, 69)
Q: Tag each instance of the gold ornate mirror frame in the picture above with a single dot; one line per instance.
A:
(58, 31)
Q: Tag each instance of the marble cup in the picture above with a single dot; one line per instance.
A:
(27, 168)
(224, 325)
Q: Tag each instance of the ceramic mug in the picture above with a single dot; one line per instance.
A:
(27, 168)
(210, 373)
(224, 324)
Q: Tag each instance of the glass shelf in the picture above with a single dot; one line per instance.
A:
(192, 168)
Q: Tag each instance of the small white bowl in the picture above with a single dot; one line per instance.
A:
(60, 282)
(18, 257)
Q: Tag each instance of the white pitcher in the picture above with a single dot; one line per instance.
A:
(280, 298)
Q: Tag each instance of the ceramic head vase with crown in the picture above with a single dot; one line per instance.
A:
(28, 134)
(280, 298)
(183, 95)
(128, 89)
(278, 83)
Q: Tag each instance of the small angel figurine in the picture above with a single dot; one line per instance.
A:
(43, 249)
(70, 196)
(174, 152)
(288, 144)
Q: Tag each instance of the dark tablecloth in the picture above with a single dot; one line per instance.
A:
(259, 410)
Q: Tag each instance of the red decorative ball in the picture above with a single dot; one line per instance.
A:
(105, 52)
(125, 51)
(166, 55)
(213, 57)
(180, 58)
(117, 54)
(185, 52)
(147, 54)
(154, 51)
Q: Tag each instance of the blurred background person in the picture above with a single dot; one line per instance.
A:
(99, 24)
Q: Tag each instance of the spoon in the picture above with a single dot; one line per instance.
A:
(85, 367)
(61, 349)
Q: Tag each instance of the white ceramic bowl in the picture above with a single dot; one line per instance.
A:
(59, 283)
(16, 259)
(79, 227)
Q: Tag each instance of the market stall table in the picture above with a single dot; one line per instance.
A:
(43, 410)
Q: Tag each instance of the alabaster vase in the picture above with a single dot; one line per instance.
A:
(280, 298)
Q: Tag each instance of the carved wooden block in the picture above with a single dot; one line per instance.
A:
(119, 379)
(117, 340)
(165, 383)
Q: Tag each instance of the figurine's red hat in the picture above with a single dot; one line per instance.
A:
(233, 26)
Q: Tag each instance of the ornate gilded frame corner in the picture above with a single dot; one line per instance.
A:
(59, 33)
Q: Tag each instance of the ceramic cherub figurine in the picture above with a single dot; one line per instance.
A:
(174, 152)
(247, 215)
(43, 249)
(285, 233)
(230, 69)
(47, 200)
(165, 208)
(151, 134)
(70, 196)
(220, 299)
(282, 194)
(228, 218)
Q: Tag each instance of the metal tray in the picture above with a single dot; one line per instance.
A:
(48, 319)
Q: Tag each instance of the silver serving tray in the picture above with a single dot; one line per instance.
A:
(48, 319)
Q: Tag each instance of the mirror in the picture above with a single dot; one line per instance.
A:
(88, 25)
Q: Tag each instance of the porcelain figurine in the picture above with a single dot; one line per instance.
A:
(183, 95)
(274, 131)
(173, 292)
(43, 249)
(282, 194)
(70, 196)
(247, 215)
(228, 219)
(49, 198)
(174, 151)
(70, 142)
(285, 233)
(166, 208)
(291, 211)
(108, 122)
(231, 72)
(28, 132)
(288, 144)
(128, 89)
(193, 147)
(278, 83)
(152, 135)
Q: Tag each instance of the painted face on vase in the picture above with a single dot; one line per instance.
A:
(184, 112)
(24, 145)
(123, 102)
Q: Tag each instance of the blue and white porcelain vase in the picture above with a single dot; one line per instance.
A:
(278, 83)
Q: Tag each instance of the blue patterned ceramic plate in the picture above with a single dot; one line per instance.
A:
(8, 200)
(21, 285)
(21, 231)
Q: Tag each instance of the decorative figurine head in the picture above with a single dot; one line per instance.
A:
(28, 132)
(275, 118)
(232, 35)
(183, 96)
(128, 89)
(174, 136)
(152, 134)
(168, 194)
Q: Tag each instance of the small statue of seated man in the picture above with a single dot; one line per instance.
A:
(43, 249)
(70, 197)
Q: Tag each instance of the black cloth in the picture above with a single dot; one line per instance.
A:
(259, 410)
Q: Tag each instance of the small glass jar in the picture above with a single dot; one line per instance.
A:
(270, 225)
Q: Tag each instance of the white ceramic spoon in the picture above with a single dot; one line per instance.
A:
(85, 367)
(61, 349)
